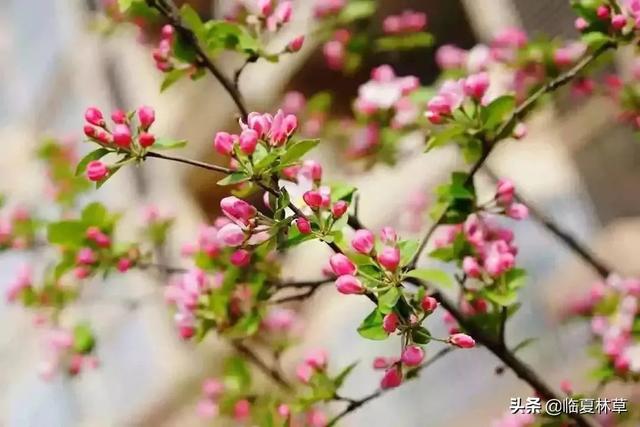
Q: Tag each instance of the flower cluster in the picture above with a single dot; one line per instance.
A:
(326, 8)
(68, 350)
(61, 158)
(613, 308)
(17, 230)
(274, 14)
(21, 282)
(123, 137)
(162, 53)
(624, 20)
(452, 95)
(406, 22)
(184, 293)
(385, 93)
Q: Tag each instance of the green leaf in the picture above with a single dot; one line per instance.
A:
(595, 39)
(501, 297)
(420, 335)
(67, 233)
(523, 344)
(357, 10)
(168, 144)
(237, 376)
(388, 300)
(83, 338)
(297, 150)
(230, 35)
(125, 5)
(341, 191)
(94, 214)
(371, 327)
(408, 249)
(234, 178)
(265, 161)
(404, 42)
(515, 278)
(446, 136)
(498, 111)
(433, 276)
(171, 77)
(342, 376)
(94, 155)
(193, 21)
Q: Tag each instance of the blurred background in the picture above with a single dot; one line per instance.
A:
(577, 164)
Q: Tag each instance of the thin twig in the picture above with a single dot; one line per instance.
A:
(504, 314)
(564, 236)
(238, 73)
(356, 404)
(171, 13)
(191, 162)
(272, 372)
(304, 284)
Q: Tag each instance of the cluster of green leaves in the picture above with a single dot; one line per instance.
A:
(599, 31)
(70, 236)
(456, 200)
(472, 125)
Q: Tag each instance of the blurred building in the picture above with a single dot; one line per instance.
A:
(574, 157)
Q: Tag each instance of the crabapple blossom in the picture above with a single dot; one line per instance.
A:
(412, 355)
(392, 378)
(339, 208)
(389, 258)
(296, 44)
(342, 265)
(303, 225)
(348, 284)
(428, 304)
(390, 322)
(122, 135)
(97, 170)
(146, 116)
(363, 241)
(94, 116)
(231, 235)
(462, 341)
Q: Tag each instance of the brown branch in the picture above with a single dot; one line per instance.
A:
(171, 13)
(505, 130)
(564, 236)
(354, 404)
(191, 162)
(271, 372)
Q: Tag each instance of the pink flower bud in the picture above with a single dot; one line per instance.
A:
(186, 331)
(428, 304)
(303, 225)
(471, 267)
(581, 24)
(505, 191)
(167, 31)
(476, 85)
(349, 284)
(341, 265)
(207, 409)
(97, 171)
(89, 131)
(566, 387)
(317, 418)
(231, 235)
(146, 139)
(314, 169)
(462, 341)
(517, 211)
(283, 12)
(392, 378)
(304, 373)
(317, 359)
(603, 12)
(618, 21)
(86, 256)
(237, 210)
(147, 116)
(388, 236)
(223, 143)
(119, 117)
(212, 388)
(122, 136)
(124, 264)
(390, 323)
(382, 363)
(265, 7)
(284, 411)
(241, 258)
(94, 116)
(81, 272)
(389, 257)
(363, 241)
(520, 131)
(339, 208)
(313, 199)
(412, 355)
(241, 410)
(248, 141)
(296, 44)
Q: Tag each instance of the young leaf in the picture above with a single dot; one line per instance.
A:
(371, 327)
(297, 150)
(408, 249)
(234, 178)
(432, 275)
(498, 111)
(67, 233)
(237, 376)
(356, 10)
(83, 339)
(168, 144)
(388, 300)
(171, 77)
(420, 335)
(446, 136)
(94, 155)
(339, 379)
(192, 19)
(94, 214)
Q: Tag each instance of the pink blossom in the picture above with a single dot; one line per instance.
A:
(471, 267)
(97, 170)
(341, 265)
(517, 211)
(231, 235)
(392, 378)
(122, 136)
(390, 323)
(412, 355)
(317, 418)
(242, 410)
(462, 341)
(317, 359)
(349, 284)
(212, 388)
(389, 258)
(304, 373)
(237, 210)
(241, 258)
(146, 115)
(450, 57)
(476, 85)
(223, 143)
(429, 304)
(207, 409)
(94, 116)
(363, 241)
